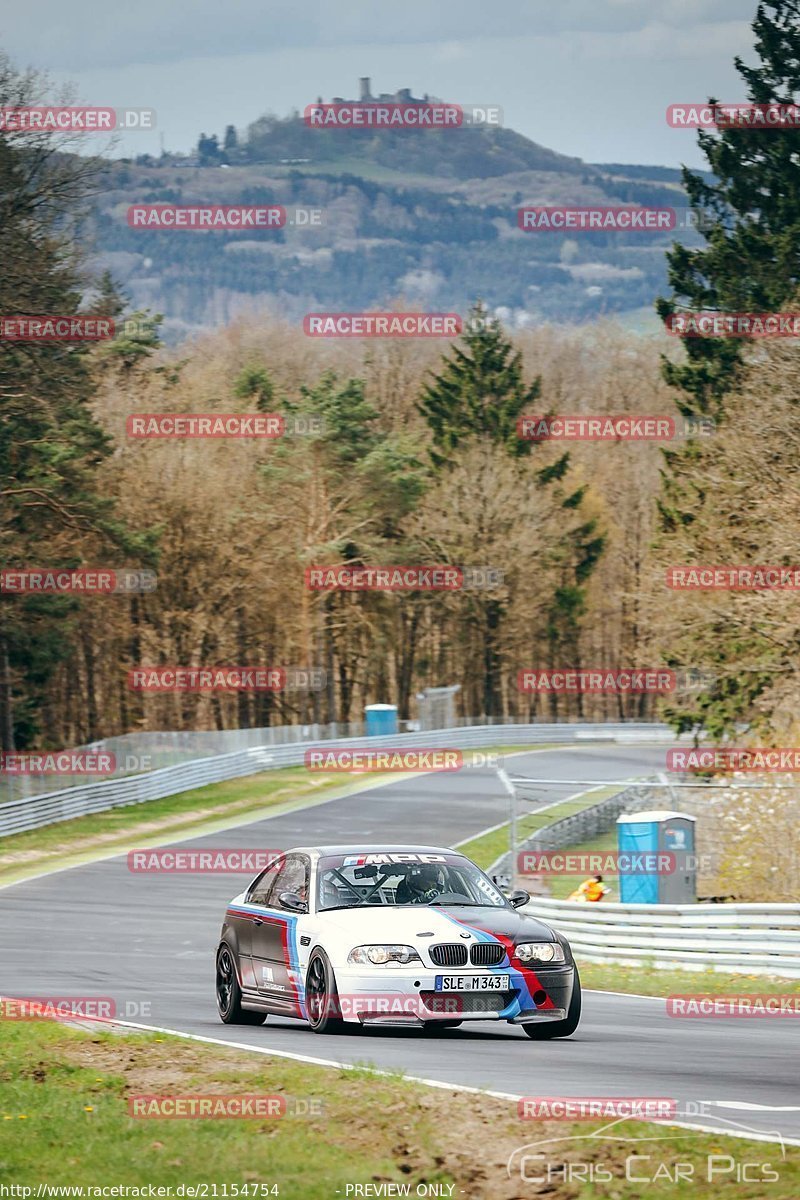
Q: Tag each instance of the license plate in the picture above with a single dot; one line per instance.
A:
(473, 983)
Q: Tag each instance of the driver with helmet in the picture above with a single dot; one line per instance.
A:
(420, 885)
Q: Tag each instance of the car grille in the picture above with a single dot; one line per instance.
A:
(486, 954)
(456, 1004)
(449, 954)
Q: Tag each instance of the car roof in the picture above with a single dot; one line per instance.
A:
(370, 848)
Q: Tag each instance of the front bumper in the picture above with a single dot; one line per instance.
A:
(408, 996)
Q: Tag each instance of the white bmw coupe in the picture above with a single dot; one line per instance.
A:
(400, 935)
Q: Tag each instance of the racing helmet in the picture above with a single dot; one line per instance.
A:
(425, 877)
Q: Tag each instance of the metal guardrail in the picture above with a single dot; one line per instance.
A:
(593, 820)
(578, 827)
(33, 812)
(754, 939)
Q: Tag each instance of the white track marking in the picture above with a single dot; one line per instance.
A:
(433, 1083)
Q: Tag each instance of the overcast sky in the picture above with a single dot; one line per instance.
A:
(584, 77)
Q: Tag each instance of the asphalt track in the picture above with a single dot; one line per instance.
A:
(101, 930)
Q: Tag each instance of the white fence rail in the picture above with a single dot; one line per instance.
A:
(32, 812)
(754, 939)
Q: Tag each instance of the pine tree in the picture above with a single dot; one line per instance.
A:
(51, 447)
(751, 226)
(254, 382)
(750, 263)
(136, 335)
(480, 392)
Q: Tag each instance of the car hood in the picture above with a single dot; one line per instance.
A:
(388, 924)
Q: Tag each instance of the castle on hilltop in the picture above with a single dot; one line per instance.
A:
(401, 96)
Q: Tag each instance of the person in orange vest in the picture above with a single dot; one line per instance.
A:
(591, 890)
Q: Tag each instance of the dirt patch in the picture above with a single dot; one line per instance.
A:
(431, 1134)
(153, 1067)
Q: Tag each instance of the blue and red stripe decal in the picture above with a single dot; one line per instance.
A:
(287, 928)
(525, 981)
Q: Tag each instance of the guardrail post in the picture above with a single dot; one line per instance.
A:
(512, 824)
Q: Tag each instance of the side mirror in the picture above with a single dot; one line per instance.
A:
(518, 898)
(294, 903)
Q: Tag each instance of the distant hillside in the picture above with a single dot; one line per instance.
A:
(427, 217)
(660, 174)
(459, 153)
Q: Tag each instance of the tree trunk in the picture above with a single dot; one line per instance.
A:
(92, 724)
(6, 698)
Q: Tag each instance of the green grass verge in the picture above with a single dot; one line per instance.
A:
(156, 821)
(233, 795)
(64, 1113)
(191, 813)
(64, 1121)
(655, 981)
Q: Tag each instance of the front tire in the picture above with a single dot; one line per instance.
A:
(559, 1029)
(229, 994)
(322, 996)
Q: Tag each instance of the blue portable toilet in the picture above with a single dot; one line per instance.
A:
(656, 832)
(381, 719)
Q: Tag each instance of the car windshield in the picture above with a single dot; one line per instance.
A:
(355, 880)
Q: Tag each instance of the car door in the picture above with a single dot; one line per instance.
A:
(276, 963)
(246, 918)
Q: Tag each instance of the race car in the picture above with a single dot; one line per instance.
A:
(400, 935)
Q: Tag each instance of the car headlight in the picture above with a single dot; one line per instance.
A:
(376, 956)
(539, 952)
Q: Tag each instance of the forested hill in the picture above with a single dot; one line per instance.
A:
(424, 217)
